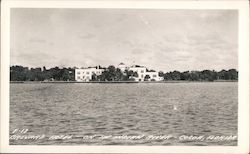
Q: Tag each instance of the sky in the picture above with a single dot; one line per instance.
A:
(163, 40)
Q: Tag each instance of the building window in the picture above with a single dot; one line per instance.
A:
(82, 72)
(142, 71)
(78, 72)
(78, 77)
(154, 76)
(87, 72)
(141, 76)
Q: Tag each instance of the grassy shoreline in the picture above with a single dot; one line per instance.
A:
(110, 82)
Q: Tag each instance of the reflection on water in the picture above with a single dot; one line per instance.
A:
(124, 109)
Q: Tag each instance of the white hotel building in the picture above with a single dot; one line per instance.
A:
(85, 74)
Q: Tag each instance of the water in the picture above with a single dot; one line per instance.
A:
(85, 110)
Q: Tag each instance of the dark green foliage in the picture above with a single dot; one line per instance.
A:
(110, 74)
(161, 74)
(175, 75)
(20, 73)
(94, 77)
(146, 78)
(205, 75)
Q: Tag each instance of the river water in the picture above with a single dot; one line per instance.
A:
(112, 114)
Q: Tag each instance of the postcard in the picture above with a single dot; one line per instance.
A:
(125, 77)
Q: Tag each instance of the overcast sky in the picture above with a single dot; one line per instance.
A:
(158, 39)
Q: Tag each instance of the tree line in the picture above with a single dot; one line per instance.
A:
(111, 73)
(205, 75)
(20, 73)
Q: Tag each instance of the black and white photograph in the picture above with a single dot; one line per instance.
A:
(123, 77)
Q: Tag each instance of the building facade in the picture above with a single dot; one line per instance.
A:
(85, 74)
(144, 74)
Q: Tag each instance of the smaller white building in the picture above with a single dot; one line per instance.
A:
(85, 74)
(142, 73)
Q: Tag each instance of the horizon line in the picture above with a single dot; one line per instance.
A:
(75, 67)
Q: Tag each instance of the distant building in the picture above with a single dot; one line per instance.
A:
(85, 74)
(144, 74)
(122, 67)
(140, 71)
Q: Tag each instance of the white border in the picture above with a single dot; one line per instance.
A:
(243, 107)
